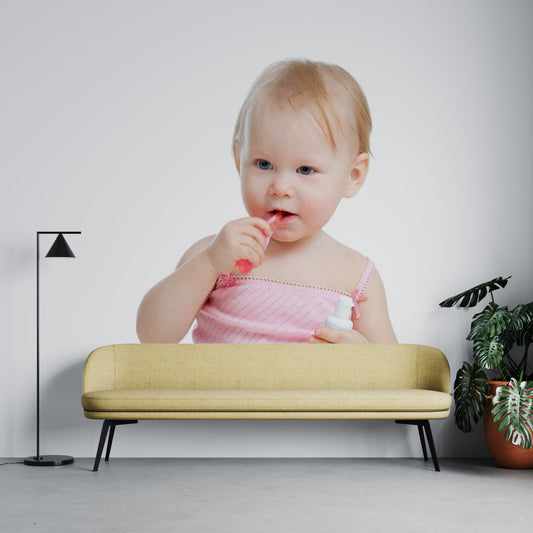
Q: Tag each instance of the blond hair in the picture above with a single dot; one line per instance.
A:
(331, 94)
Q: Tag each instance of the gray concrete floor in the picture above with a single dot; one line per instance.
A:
(266, 495)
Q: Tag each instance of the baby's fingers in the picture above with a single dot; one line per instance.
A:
(259, 229)
(251, 250)
(337, 336)
(329, 335)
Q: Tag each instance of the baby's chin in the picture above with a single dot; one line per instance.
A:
(287, 236)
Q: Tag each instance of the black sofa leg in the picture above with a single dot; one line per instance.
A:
(108, 427)
(432, 449)
(422, 441)
(423, 425)
(103, 436)
(110, 441)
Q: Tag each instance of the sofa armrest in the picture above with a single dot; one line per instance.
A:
(433, 369)
(99, 372)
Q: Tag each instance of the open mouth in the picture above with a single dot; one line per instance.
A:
(284, 214)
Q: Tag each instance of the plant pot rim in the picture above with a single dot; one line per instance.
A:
(495, 384)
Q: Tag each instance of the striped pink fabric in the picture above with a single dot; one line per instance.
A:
(257, 310)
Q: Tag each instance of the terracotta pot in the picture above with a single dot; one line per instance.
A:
(505, 454)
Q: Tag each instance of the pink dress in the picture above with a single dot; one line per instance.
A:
(248, 310)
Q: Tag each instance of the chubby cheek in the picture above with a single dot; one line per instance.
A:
(253, 196)
(319, 209)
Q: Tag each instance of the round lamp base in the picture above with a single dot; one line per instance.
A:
(49, 460)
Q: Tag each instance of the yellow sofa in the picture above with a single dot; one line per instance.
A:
(125, 383)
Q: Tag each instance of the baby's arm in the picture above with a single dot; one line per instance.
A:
(168, 310)
(374, 322)
(373, 326)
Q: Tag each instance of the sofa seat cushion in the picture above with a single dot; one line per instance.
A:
(171, 400)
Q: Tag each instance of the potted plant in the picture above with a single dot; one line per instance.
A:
(496, 332)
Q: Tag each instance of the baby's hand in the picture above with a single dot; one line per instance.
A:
(337, 336)
(239, 239)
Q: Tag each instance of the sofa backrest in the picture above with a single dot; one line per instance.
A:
(266, 366)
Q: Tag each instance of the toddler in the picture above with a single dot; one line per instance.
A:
(301, 144)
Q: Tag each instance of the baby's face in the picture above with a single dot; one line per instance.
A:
(286, 164)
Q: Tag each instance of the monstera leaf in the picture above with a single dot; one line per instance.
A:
(470, 394)
(488, 353)
(473, 296)
(513, 412)
(489, 322)
(521, 323)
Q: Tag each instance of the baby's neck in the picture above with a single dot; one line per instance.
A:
(301, 246)
(316, 248)
(311, 261)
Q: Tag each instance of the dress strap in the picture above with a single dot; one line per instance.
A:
(358, 295)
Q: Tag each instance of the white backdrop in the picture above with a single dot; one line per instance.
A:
(116, 121)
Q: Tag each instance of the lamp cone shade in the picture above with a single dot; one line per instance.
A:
(60, 248)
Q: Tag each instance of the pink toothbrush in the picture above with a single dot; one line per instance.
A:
(244, 265)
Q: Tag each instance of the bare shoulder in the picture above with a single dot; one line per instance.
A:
(350, 266)
(374, 284)
(196, 248)
(354, 264)
(375, 323)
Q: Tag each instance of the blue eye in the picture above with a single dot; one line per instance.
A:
(305, 170)
(263, 164)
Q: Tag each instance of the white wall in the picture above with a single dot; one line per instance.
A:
(116, 121)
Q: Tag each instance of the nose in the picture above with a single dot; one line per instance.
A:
(281, 186)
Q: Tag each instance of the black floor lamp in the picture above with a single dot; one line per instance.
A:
(60, 248)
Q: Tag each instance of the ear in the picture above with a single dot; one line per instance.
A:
(237, 156)
(358, 173)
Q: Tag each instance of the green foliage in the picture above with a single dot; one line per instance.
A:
(521, 324)
(470, 393)
(489, 352)
(490, 322)
(494, 332)
(473, 296)
(513, 412)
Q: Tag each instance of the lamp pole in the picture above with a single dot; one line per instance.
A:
(60, 248)
(38, 356)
